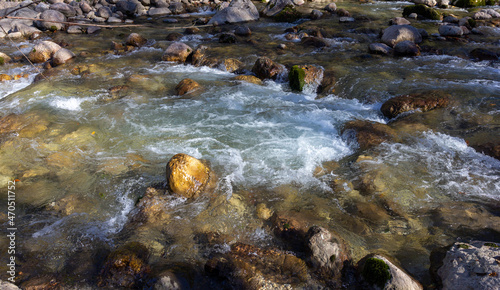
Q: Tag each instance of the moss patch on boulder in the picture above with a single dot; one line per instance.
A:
(296, 78)
(376, 272)
(424, 11)
(469, 3)
(288, 14)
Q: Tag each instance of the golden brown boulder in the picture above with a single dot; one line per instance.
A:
(177, 52)
(424, 101)
(187, 176)
(43, 51)
(136, 40)
(186, 86)
(249, 79)
(4, 77)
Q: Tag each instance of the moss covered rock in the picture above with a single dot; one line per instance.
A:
(288, 14)
(469, 3)
(296, 78)
(422, 10)
(376, 272)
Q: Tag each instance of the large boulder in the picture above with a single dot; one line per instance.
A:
(177, 51)
(62, 56)
(43, 51)
(64, 8)
(188, 176)
(397, 33)
(450, 30)
(274, 7)
(265, 68)
(471, 265)
(128, 8)
(378, 272)
(422, 11)
(136, 40)
(237, 11)
(48, 16)
(186, 86)
(423, 101)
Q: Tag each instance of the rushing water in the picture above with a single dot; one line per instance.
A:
(83, 160)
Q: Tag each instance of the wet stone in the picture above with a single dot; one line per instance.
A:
(423, 101)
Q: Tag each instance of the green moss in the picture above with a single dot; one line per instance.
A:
(288, 14)
(472, 22)
(463, 246)
(286, 226)
(493, 245)
(2, 61)
(423, 11)
(332, 258)
(469, 3)
(296, 78)
(53, 28)
(376, 272)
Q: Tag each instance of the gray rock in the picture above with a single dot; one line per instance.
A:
(451, 19)
(42, 7)
(413, 16)
(332, 7)
(93, 29)
(62, 56)
(64, 8)
(399, 21)
(380, 48)
(399, 278)
(104, 12)
(397, 33)
(177, 7)
(129, 8)
(316, 14)
(406, 48)
(170, 20)
(99, 19)
(86, 8)
(491, 12)
(322, 248)
(145, 2)
(43, 51)
(242, 30)
(51, 15)
(430, 3)
(24, 29)
(8, 286)
(177, 52)
(159, 11)
(113, 19)
(471, 266)
(15, 35)
(345, 19)
(74, 29)
(168, 281)
(443, 3)
(237, 11)
(481, 16)
(55, 1)
(160, 3)
(423, 33)
(275, 6)
(450, 30)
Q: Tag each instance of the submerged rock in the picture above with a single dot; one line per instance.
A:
(237, 11)
(492, 149)
(188, 176)
(473, 265)
(406, 48)
(186, 86)
(423, 101)
(177, 52)
(380, 273)
(125, 267)
(250, 267)
(249, 79)
(481, 54)
(136, 40)
(380, 48)
(265, 68)
(370, 134)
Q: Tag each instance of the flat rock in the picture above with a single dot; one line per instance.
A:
(473, 265)
(423, 101)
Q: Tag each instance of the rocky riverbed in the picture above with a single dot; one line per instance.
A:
(250, 145)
